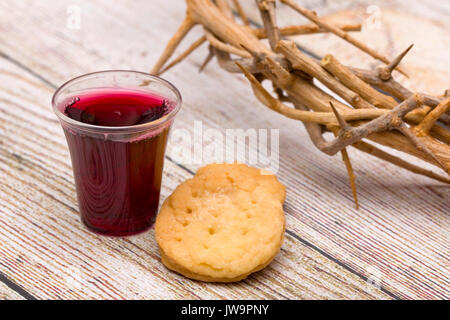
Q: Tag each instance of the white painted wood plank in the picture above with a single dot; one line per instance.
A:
(402, 229)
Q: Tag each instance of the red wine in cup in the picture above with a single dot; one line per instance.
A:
(118, 182)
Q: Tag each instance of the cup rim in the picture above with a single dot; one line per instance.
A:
(118, 129)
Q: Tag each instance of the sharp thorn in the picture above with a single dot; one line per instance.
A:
(254, 54)
(344, 125)
(394, 63)
(247, 74)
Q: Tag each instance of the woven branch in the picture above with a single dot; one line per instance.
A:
(403, 120)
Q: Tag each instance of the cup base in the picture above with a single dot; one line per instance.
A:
(118, 233)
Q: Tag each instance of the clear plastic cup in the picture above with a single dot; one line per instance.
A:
(117, 170)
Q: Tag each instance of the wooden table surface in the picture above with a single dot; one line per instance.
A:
(394, 247)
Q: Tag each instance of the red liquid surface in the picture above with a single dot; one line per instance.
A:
(118, 182)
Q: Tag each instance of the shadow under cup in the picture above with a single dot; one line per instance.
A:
(117, 170)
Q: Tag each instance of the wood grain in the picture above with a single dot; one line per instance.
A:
(399, 237)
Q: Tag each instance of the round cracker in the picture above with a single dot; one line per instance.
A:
(223, 224)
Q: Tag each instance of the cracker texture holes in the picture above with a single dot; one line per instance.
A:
(223, 224)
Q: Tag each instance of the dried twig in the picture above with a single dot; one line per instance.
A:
(267, 10)
(307, 29)
(187, 52)
(185, 27)
(311, 15)
(301, 62)
(355, 84)
(252, 65)
(390, 86)
(423, 146)
(427, 123)
(325, 118)
(216, 43)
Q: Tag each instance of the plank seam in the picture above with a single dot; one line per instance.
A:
(338, 262)
(16, 288)
(27, 69)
